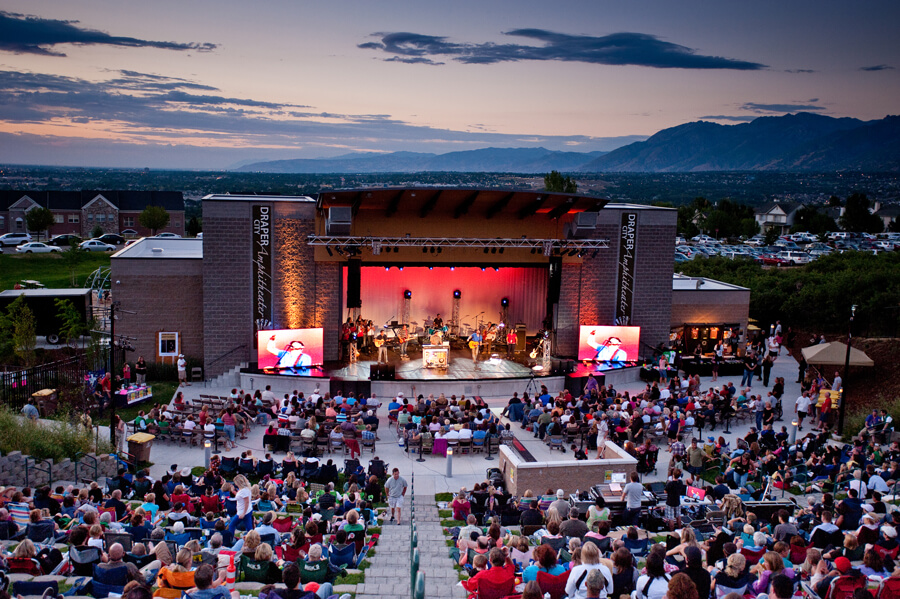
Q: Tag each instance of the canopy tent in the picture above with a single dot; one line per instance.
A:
(835, 353)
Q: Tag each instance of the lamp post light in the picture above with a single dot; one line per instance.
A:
(449, 462)
(794, 432)
(206, 449)
(843, 394)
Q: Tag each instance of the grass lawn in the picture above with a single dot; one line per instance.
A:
(163, 391)
(49, 269)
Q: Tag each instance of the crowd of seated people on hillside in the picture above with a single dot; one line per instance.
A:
(309, 416)
(180, 533)
(846, 537)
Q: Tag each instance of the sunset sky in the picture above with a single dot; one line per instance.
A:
(208, 84)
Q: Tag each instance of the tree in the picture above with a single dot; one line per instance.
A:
(96, 232)
(857, 217)
(72, 257)
(73, 325)
(39, 220)
(771, 236)
(17, 329)
(809, 219)
(555, 182)
(154, 218)
(194, 226)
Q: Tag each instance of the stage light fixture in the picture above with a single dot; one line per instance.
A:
(432, 249)
(501, 250)
(496, 269)
(452, 268)
(424, 250)
(482, 269)
(573, 251)
(430, 268)
(328, 249)
(440, 249)
(505, 302)
(548, 248)
(400, 268)
(387, 268)
(493, 250)
(340, 251)
(407, 294)
(486, 250)
(595, 254)
(534, 250)
(457, 294)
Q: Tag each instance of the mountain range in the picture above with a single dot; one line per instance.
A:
(794, 142)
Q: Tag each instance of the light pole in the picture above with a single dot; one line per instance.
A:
(843, 391)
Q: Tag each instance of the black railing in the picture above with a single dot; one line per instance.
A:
(208, 367)
(17, 386)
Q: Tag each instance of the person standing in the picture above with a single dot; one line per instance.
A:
(511, 339)
(140, 370)
(802, 407)
(675, 490)
(767, 369)
(380, 341)
(749, 367)
(838, 383)
(395, 489)
(182, 370)
(126, 374)
(243, 507)
(632, 494)
(404, 340)
(120, 434)
(474, 344)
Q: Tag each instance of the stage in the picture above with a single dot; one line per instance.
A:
(489, 378)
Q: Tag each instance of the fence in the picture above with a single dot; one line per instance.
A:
(17, 386)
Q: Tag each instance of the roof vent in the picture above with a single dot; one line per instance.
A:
(157, 250)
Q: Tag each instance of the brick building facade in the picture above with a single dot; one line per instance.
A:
(79, 212)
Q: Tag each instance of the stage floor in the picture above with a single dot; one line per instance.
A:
(461, 367)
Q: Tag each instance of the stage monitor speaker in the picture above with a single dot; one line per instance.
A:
(339, 220)
(521, 333)
(555, 367)
(390, 373)
(375, 372)
(569, 366)
(354, 299)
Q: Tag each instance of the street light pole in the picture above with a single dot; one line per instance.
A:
(843, 390)
(112, 376)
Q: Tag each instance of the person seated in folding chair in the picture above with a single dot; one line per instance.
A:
(501, 574)
(207, 586)
(291, 576)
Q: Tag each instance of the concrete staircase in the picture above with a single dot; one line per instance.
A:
(231, 378)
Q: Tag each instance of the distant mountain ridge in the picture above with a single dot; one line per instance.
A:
(793, 142)
(517, 160)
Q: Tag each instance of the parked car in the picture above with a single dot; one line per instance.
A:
(703, 239)
(95, 245)
(679, 240)
(14, 239)
(794, 258)
(168, 235)
(770, 260)
(64, 241)
(112, 239)
(679, 257)
(35, 247)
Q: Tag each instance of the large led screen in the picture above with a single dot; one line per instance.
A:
(290, 348)
(608, 343)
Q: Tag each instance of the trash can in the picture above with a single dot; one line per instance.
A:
(139, 445)
(46, 401)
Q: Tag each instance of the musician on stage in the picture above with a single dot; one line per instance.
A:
(474, 344)
(438, 322)
(511, 340)
(490, 333)
(379, 341)
(404, 339)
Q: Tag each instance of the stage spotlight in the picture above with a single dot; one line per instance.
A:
(452, 268)
(424, 250)
(496, 269)
(594, 255)
(430, 268)
(432, 249)
(396, 249)
(440, 249)
(340, 251)
(501, 250)
(534, 250)
(387, 268)
(407, 294)
(457, 294)
(486, 250)
(330, 253)
(482, 269)
(573, 251)
(400, 268)
(505, 302)
(493, 250)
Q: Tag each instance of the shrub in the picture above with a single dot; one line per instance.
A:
(54, 440)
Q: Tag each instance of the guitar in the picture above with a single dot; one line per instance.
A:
(534, 353)
(378, 342)
(473, 344)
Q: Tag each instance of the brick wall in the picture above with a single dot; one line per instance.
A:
(653, 276)
(99, 209)
(166, 295)
(328, 304)
(227, 285)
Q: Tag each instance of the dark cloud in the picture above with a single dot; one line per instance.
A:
(767, 108)
(723, 117)
(615, 49)
(801, 71)
(877, 67)
(28, 34)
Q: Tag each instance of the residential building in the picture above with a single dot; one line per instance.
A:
(777, 215)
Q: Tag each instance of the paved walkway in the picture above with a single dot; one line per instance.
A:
(388, 576)
(441, 579)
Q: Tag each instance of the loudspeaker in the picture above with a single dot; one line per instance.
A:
(569, 366)
(521, 332)
(584, 225)
(353, 283)
(555, 367)
(339, 220)
(375, 372)
(554, 283)
(390, 373)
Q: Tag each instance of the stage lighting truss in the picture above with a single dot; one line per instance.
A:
(353, 246)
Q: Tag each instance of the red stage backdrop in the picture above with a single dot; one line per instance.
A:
(282, 348)
(608, 343)
(432, 293)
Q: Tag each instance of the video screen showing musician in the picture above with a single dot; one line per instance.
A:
(380, 340)
(291, 356)
(475, 344)
(608, 351)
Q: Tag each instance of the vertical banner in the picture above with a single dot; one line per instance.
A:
(262, 268)
(625, 287)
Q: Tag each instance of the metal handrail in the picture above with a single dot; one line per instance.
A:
(95, 462)
(226, 354)
(34, 465)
